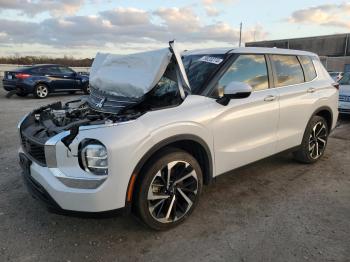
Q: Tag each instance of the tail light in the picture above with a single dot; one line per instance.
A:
(22, 76)
(336, 85)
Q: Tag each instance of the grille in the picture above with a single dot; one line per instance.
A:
(35, 150)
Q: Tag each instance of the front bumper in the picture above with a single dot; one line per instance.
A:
(56, 198)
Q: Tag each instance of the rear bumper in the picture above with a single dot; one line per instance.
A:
(18, 86)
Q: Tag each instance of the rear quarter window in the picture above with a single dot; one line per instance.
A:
(288, 70)
(309, 68)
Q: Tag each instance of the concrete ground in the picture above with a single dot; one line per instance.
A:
(272, 210)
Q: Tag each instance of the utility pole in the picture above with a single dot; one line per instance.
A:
(240, 34)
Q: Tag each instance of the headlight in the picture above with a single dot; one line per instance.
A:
(94, 158)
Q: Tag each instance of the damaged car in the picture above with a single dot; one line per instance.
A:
(159, 125)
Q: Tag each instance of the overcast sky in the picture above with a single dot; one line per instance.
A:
(83, 27)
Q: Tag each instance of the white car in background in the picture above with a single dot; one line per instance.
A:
(159, 125)
(344, 94)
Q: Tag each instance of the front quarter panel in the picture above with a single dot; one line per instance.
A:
(127, 143)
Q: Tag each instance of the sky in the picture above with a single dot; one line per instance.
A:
(81, 28)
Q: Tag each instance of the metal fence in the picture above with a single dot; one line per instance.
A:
(4, 67)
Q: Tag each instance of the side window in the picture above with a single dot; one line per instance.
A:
(288, 70)
(53, 70)
(250, 69)
(65, 70)
(309, 68)
(38, 71)
(345, 80)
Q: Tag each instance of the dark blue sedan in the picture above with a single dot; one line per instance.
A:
(41, 80)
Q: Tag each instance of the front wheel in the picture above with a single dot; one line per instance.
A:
(169, 190)
(314, 141)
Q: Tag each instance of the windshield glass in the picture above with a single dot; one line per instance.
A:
(345, 80)
(199, 69)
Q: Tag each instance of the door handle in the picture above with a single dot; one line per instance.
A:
(311, 90)
(270, 98)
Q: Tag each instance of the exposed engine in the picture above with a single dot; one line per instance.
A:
(52, 119)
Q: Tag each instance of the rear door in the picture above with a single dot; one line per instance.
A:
(245, 130)
(297, 97)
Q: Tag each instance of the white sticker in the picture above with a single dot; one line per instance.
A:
(211, 59)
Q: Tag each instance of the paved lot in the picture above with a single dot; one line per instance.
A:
(273, 210)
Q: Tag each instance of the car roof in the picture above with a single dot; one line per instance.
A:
(248, 50)
(45, 65)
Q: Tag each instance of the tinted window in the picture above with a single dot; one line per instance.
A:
(288, 70)
(65, 70)
(199, 69)
(250, 69)
(345, 80)
(38, 70)
(309, 68)
(53, 70)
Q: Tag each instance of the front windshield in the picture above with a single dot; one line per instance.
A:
(199, 69)
(345, 80)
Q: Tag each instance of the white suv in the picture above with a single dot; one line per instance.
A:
(158, 125)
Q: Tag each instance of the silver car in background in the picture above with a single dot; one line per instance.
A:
(344, 94)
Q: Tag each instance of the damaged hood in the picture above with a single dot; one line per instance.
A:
(132, 76)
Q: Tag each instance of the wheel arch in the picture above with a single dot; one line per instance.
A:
(41, 82)
(192, 144)
(327, 113)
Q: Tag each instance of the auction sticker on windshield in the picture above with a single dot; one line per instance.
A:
(211, 59)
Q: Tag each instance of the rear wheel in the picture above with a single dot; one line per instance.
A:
(314, 141)
(41, 91)
(169, 190)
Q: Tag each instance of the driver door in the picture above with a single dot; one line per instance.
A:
(246, 129)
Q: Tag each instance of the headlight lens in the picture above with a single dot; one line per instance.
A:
(94, 158)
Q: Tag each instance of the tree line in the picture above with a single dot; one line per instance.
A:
(31, 60)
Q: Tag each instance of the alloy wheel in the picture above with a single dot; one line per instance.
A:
(42, 91)
(172, 192)
(317, 140)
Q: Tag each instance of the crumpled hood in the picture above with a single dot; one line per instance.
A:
(131, 75)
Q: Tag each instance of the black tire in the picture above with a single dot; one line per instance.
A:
(41, 91)
(86, 89)
(314, 141)
(153, 184)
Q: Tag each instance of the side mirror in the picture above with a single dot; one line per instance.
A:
(235, 90)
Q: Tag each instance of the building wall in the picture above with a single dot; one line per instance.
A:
(334, 50)
(337, 64)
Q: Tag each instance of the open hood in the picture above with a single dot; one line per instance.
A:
(118, 81)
